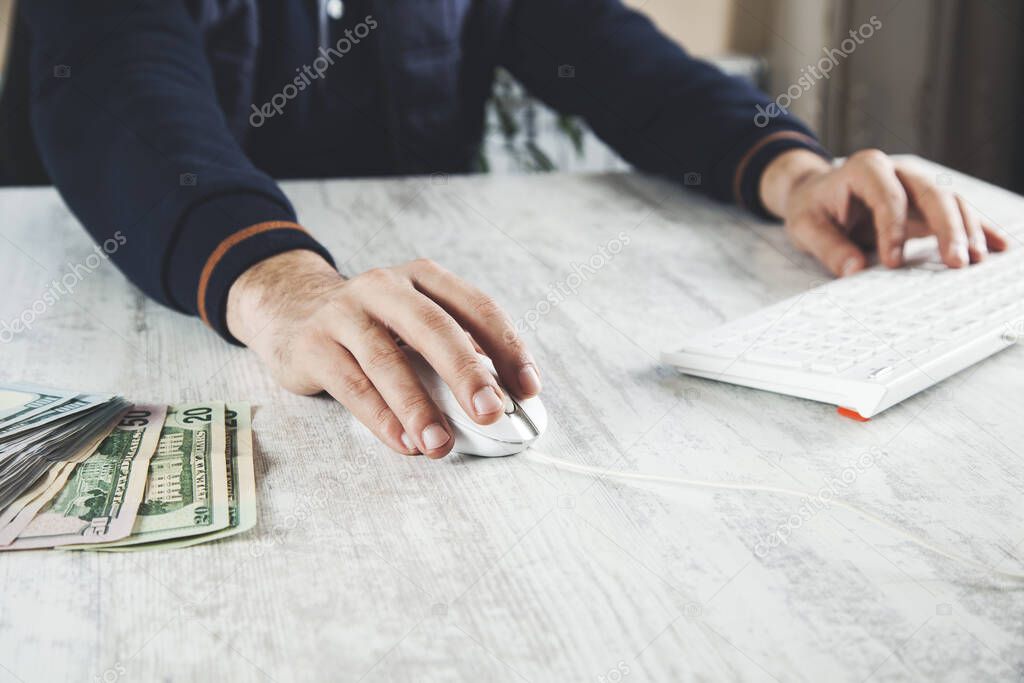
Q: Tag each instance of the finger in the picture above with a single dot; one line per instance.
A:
(942, 215)
(977, 245)
(873, 178)
(342, 378)
(996, 238)
(486, 322)
(386, 366)
(434, 333)
(827, 243)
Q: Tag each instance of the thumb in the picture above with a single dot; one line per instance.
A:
(828, 243)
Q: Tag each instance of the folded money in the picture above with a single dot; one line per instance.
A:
(219, 503)
(40, 428)
(93, 472)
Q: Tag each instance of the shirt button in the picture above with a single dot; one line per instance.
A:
(335, 9)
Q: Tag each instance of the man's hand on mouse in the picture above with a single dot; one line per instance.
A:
(318, 331)
(870, 202)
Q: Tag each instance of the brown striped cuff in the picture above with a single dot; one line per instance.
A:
(224, 247)
(220, 239)
(747, 177)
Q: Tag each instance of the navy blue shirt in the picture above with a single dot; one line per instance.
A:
(339, 113)
(167, 120)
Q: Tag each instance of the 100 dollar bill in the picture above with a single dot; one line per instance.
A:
(100, 499)
(187, 487)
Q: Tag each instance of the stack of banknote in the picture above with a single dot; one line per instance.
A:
(96, 472)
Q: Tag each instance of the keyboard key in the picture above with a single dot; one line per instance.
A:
(879, 373)
(831, 366)
(788, 359)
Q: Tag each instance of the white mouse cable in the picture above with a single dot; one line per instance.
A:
(727, 486)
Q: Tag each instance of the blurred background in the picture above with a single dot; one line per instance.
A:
(938, 78)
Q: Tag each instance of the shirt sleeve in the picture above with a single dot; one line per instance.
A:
(662, 110)
(127, 121)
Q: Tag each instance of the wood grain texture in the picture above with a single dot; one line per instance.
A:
(369, 566)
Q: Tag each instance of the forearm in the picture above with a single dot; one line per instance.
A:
(137, 144)
(661, 109)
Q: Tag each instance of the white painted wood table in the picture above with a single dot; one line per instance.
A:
(370, 566)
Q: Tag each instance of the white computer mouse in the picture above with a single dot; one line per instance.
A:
(523, 423)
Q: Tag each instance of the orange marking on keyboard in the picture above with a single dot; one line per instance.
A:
(852, 414)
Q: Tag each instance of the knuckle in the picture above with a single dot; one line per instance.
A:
(872, 157)
(949, 201)
(891, 224)
(510, 337)
(895, 198)
(344, 318)
(365, 325)
(385, 357)
(301, 385)
(517, 347)
(488, 309)
(341, 306)
(382, 418)
(467, 366)
(899, 212)
(437, 320)
(356, 386)
(416, 403)
(377, 278)
(427, 265)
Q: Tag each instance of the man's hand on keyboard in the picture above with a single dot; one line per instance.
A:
(870, 201)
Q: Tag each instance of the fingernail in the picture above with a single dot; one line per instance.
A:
(529, 380)
(896, 255)
(849, 267)
(486, 401)
(435, 436)
(407, 442)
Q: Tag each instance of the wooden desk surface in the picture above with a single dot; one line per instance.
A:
(370, 566)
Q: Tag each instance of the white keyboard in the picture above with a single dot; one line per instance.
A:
(867, 342)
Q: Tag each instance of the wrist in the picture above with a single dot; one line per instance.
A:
(785, 174)
(258, 295)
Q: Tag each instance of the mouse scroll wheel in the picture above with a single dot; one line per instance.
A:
(510, 406)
